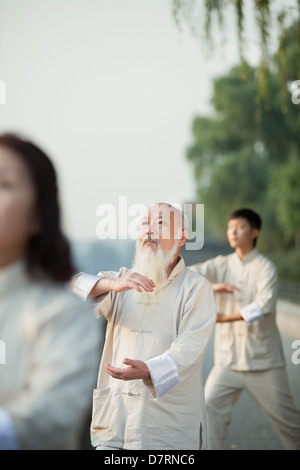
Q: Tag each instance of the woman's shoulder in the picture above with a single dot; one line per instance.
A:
(50, 298)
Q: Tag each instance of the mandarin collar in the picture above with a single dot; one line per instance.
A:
(177, 269)
(248, 257)
(11, 275)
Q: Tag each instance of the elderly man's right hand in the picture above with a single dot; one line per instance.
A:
(129, 281)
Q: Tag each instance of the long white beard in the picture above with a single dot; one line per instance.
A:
(153, 265)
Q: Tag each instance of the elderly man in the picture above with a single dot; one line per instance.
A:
(161, 317)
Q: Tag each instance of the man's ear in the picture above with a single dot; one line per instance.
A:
(184, 237)
(254, 233)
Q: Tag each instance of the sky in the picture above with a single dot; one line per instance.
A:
(109, 89)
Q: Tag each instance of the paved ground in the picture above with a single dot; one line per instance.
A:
(250, 428)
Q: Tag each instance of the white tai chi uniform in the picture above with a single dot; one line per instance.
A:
(248, 353)
(170, 333)
(51, 361)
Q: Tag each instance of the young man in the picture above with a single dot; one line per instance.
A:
(161, 317)
(247, 346)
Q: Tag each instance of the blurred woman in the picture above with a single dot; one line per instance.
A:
(50, 341)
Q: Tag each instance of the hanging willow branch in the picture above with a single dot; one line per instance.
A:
(298, 38)
(282, 60)
(212, 6)
(199, 14)
(262, 9)
(239, 8)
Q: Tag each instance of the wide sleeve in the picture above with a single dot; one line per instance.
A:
(194, 334)
(83, 283)
(266, 294)
(104, 304)
(211, 268)
(63, 360)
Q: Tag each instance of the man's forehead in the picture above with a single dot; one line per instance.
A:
(163, 211)
(237, 220)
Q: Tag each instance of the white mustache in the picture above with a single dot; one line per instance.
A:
(149, 239)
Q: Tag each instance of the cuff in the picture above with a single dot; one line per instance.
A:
(8, 440)
(251, 312)
(84, 283)
(164, 374)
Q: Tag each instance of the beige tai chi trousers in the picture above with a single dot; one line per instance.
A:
(269, 388)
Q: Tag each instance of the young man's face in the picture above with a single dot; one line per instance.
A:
(240, 233)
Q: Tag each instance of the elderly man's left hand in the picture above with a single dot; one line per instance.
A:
(135, 370)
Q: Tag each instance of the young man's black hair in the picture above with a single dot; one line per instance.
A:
(252, 217)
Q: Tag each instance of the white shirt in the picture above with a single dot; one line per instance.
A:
(171, 335)
(253, 344)
(52, 356)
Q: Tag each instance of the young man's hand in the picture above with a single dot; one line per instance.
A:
(224, 288)
(221, 318)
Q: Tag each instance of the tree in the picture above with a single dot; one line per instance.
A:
(285, 189)
(199, 15)
(241, 161)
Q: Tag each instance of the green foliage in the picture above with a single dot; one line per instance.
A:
(285, 191)
(199, 15)
(240, 161)
(287, 263)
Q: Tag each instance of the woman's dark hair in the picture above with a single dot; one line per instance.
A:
(252, 217)
(48, 252)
